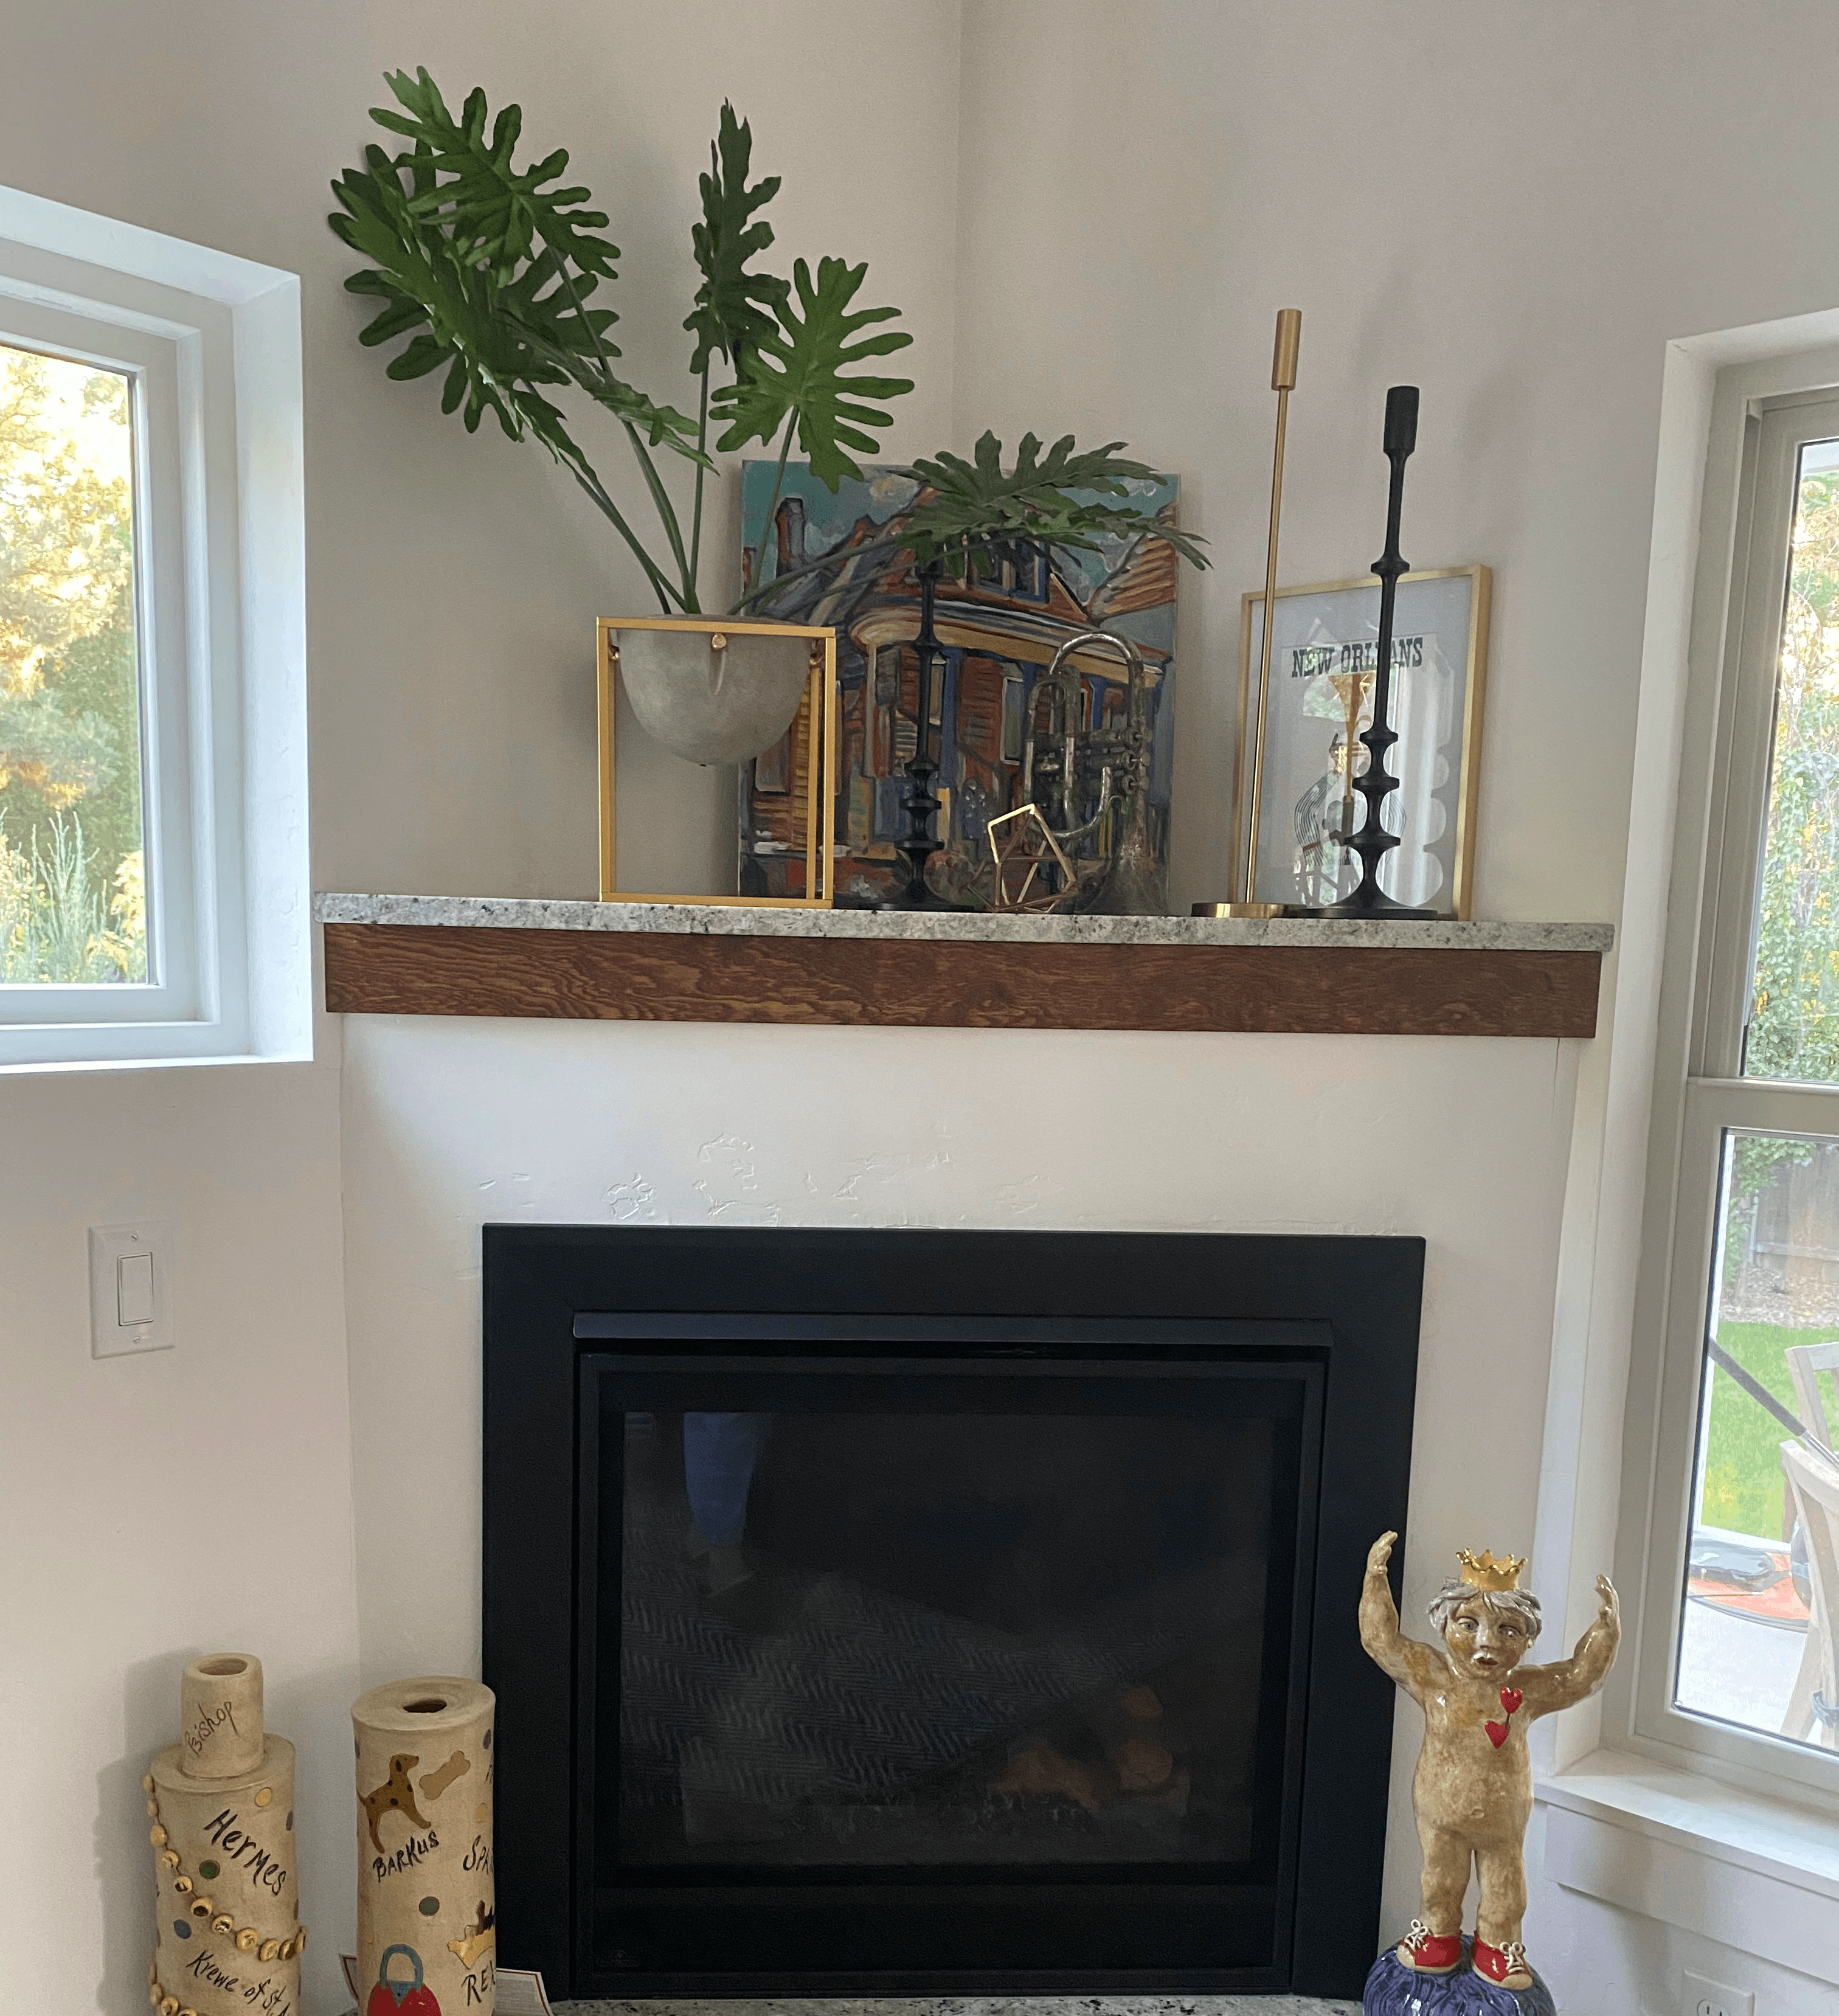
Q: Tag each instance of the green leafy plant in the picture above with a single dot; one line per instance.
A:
(796, 374)
(491, 272)
(53, 929)
(973, 514)
(979, 513)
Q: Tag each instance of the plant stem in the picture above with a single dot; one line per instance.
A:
(591, 483)
(779, 476)
(666, 513)
(695, 516)
(661, 498)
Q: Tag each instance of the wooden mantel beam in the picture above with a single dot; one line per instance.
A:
(784, 977)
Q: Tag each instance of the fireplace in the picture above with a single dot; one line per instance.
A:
(939, 1612)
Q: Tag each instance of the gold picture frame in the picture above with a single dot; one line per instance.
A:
(1252, 819)
(819, 707)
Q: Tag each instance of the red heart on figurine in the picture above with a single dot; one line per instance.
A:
(1511, 1698)
(1497, 1732)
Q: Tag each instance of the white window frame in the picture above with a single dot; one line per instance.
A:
(1760, 413)
(211, 344)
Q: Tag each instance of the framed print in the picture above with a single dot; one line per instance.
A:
(1324, 646)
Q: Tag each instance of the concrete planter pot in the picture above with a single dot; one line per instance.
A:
(713, 693)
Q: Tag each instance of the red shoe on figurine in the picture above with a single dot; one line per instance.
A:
(1426, 1952)
(1505, 1966)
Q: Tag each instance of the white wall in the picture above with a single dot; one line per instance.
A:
(1089, 215)
(157, 1507)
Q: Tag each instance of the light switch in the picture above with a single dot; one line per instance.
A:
(130, 1287)
(134, 1288)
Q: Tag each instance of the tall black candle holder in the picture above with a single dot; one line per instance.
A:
(917, 845)
(1376, 784)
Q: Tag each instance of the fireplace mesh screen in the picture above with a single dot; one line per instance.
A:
(944, 1638)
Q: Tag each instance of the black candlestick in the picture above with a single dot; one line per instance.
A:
(1376, 784)
(922, 802)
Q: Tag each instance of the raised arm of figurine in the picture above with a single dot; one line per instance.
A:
(1550, 1688)
(1415, 1666)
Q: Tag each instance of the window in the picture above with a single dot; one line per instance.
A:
(1741, 1608)
(153, 882)
(72, 847)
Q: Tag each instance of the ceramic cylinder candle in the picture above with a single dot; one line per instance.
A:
(427, 1908)
(220, 1811)
(221, 1716)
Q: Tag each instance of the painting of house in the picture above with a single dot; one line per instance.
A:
(998, 636)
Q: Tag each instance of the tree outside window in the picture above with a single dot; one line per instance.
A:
(73, 901)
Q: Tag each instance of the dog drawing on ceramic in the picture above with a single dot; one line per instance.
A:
(396, 1797)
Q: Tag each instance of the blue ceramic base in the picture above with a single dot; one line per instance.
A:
(1393, 1990)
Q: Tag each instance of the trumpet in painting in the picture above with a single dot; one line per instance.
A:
(1473, 1792)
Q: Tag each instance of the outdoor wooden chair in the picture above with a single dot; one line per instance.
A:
(1814, 1482)
(1806, 1362)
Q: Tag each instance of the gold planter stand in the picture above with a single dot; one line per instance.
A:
(820, 707)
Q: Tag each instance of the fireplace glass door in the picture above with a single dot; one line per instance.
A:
(864, 1630)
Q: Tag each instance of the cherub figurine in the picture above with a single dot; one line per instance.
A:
(1472, 1793)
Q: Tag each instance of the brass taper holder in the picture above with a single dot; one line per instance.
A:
(1283, 357)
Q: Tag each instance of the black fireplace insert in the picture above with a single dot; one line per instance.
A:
(914, 1611)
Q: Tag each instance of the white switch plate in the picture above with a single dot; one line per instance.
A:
(1701, 1997)
(114, 1291)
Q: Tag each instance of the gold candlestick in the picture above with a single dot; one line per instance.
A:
(1290, 336)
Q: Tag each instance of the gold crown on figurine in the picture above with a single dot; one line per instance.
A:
(1482, 1570)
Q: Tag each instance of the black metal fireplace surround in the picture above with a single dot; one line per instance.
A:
(939, 1612)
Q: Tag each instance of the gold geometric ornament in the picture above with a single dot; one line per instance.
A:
(1021, 845)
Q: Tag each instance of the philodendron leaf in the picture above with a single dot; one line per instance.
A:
(491, 210)
(490, 270)
(488, 273)
(804, 366)
(728, 316)
(426, 288)
(979, 511)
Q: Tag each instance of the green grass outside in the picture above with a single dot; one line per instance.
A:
(1743, 1489)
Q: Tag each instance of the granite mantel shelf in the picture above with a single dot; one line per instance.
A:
(685, 963)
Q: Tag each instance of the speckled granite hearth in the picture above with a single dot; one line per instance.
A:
(1040, 2005)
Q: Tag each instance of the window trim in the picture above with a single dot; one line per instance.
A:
(1737, 608)
(239, 753)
